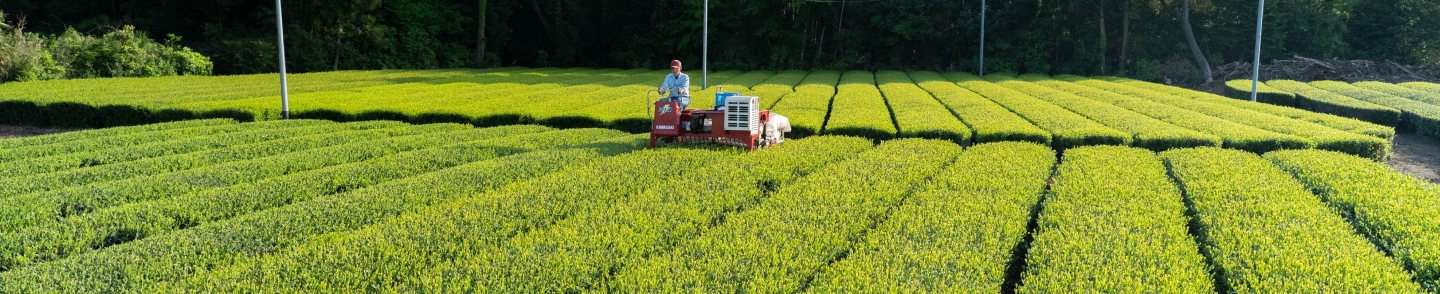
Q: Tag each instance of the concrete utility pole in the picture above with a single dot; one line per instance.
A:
(1255, 73)
(705, 54)
(982, 38)
(284, 88)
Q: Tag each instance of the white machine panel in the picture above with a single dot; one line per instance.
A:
(742, 113)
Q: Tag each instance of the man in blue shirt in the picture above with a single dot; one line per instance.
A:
(678, 84)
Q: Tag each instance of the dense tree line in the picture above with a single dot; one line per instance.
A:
(1144, 38)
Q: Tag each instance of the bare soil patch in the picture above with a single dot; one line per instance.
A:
(9, 131)
(1417, 156)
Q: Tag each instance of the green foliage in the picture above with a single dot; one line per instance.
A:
(1257, 131)
(204, 151)
(1240, 89)
(1234, 135)
(1423, 86)
(1421, 92)
(24, 56)
(1147, 70)
(120, 53)
(626, 108)
(1149, 133)
(1068, 130)
(224, 241)
(1328, 120)
(1265, 233)
(27, 210)
(113, 149)
(1310, 98)
(1395, 211)
(955, 235)
(577, 252)
(1284, 132)
(1423, 118)
(778, 244)
(859, 109)
(1402, 30)
(63, 138)
(1086, 239)
(989, 121)
(705, 99)
(119, 102)
(22, 149)
(917, 113)
(809, 106)
(771, 90)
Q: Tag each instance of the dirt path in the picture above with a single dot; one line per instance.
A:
(1417, 156)
(8, 131)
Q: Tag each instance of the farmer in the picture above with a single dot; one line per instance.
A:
(678, 84)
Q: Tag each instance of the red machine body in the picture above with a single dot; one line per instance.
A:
(705, 126)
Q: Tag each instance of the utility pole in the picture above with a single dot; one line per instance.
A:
(1255, 73)
(705, 55)
(284, 88)
(982, 38)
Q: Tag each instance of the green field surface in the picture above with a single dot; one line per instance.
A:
(316, 206)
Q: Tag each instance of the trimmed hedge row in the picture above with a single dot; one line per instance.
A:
(1265, 233)
(119, 141)
(63, 138)
(167, 263)
(1147, 132)
(1240, 89)
(1314, 99)
(1324, 119)
(577, 253)
(1295, 134)
(1233, 135)
(98, 230)
(917, 114)
(771, 90)
(1422, 86)
(1068, 130)
(859, 109)
(432, 101)
(197, 141)
(705, 99)
(439, 100)
(132, 101)
(778, 245)
(1419, 116)
(990, 122)
(1395, 211)
(1113, 223)
(809, 106)
(27, 210)
(547, 106)
(222, 149)
(957, 236)
(625, 108)
(1432, 98)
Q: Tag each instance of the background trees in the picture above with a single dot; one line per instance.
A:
(1076, 36)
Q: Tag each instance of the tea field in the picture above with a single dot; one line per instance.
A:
(520, 180)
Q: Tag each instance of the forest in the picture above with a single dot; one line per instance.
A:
(1147, 39)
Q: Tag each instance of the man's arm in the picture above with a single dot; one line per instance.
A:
(685, 85)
